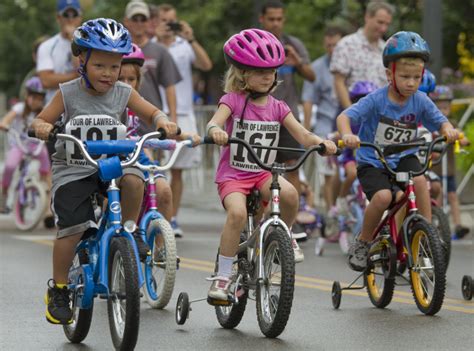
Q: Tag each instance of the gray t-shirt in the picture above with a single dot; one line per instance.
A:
(77, 101)
(159, 69)
(287, 90)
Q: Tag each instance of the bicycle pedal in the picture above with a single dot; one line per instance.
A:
(215, 302)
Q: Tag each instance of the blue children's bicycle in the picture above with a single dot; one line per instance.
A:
(107, 263)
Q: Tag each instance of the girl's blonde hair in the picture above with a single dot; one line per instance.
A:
(235, 80)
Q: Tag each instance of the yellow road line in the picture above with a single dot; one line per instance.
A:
(322, 284)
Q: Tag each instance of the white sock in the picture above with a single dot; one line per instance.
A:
(225, 266)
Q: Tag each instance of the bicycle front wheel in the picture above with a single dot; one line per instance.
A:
(428, 274)
(275, 293)
(123, 304)
(29, 206)
(160, 271)
(380, 275)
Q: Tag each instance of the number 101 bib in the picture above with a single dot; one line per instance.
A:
(91, 127)
(255, 133)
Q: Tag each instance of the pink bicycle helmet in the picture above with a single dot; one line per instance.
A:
(254, 49)
(136, 56)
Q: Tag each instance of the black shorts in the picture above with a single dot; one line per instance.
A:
(73, 205)
(373, 179)
(286, 140)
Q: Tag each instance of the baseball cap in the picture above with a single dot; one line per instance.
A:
(137, 8)
(64, 5)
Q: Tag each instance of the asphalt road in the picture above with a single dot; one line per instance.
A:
(25, 261)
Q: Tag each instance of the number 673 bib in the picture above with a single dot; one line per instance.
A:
(390, 131)
(91, 127)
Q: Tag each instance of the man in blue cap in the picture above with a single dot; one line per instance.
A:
(55, 63)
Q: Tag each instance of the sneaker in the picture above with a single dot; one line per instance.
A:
(358, 253)
(178, 232)
(299, 255)
(57, 301)
(298, 232)
(143, 248)
(460, 232)
(219, 289)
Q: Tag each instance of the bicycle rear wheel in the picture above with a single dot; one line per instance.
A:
(230, 316)
(123, 304)
(160, 270)
(275, 293)
(29, 205)
(380, 275)
(428, 274)
(82, 318)
(441, 222)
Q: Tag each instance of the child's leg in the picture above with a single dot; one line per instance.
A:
(177, 189)
(373, 213)
(164, 198)
(236, 208)
(423, 199)
(454, 207)
(351, 174)
(131, 193)
(63, 254)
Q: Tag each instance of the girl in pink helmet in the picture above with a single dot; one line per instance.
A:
(247, 111)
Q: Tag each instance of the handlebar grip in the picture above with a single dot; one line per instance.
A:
(31, 133)
(207, 140)
(340, 143)
(322, 149)
(163, 133)
(461, 136)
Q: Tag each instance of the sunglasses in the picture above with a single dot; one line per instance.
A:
(139, 19)
(70, 14)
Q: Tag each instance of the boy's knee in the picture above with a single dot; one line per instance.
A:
(130, 181)
(351, 174)
(420, 181)
(164, 192)
(382, 199)
(290, 196)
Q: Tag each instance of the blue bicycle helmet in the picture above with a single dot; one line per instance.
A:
(428, 82)
(405, 44)
(103, 34)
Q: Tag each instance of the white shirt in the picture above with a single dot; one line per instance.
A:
(54, 55)
(183, 56)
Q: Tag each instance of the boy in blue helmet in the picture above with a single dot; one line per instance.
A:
(391, 115)
(100, 45)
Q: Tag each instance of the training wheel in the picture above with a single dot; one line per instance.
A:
(336, 295)
(182, 308)
(466, 287)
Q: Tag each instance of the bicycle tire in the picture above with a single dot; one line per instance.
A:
(79, 328)
(28, 221)
(426, 250)
(276, 248)
(158, 294)
(441, 222)
(229, 317)
(124, 337)
(384, 268)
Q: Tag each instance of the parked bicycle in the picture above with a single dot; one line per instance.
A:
(265, 266)
(415, 243)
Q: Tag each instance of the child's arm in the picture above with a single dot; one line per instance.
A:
(304, 136)
(449, 132)
(216, 124)
(151, 114)
(43, 124)
(344, 127)
(7, 120)
(196, 138)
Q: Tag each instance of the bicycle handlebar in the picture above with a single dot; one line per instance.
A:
(155, 168)
(321, 149)
(397, 148)
(19, 137)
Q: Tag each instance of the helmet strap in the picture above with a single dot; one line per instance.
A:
(394, 81)
(82, 70)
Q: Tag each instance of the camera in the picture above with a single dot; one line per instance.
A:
(175, 26)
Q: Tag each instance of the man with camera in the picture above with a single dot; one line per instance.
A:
(178, 37)
(159, 69)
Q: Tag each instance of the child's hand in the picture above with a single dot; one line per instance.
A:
(451, 135)
(169, 127)
(351, 141)
(3, 126)
(196, 138)
(331, 148)
(219, 136)
(42, 130)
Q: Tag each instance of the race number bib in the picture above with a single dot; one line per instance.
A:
(425, 134)
(390, 131)
(91, 127)
(256, 133)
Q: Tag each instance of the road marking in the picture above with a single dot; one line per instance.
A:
(307, 282)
